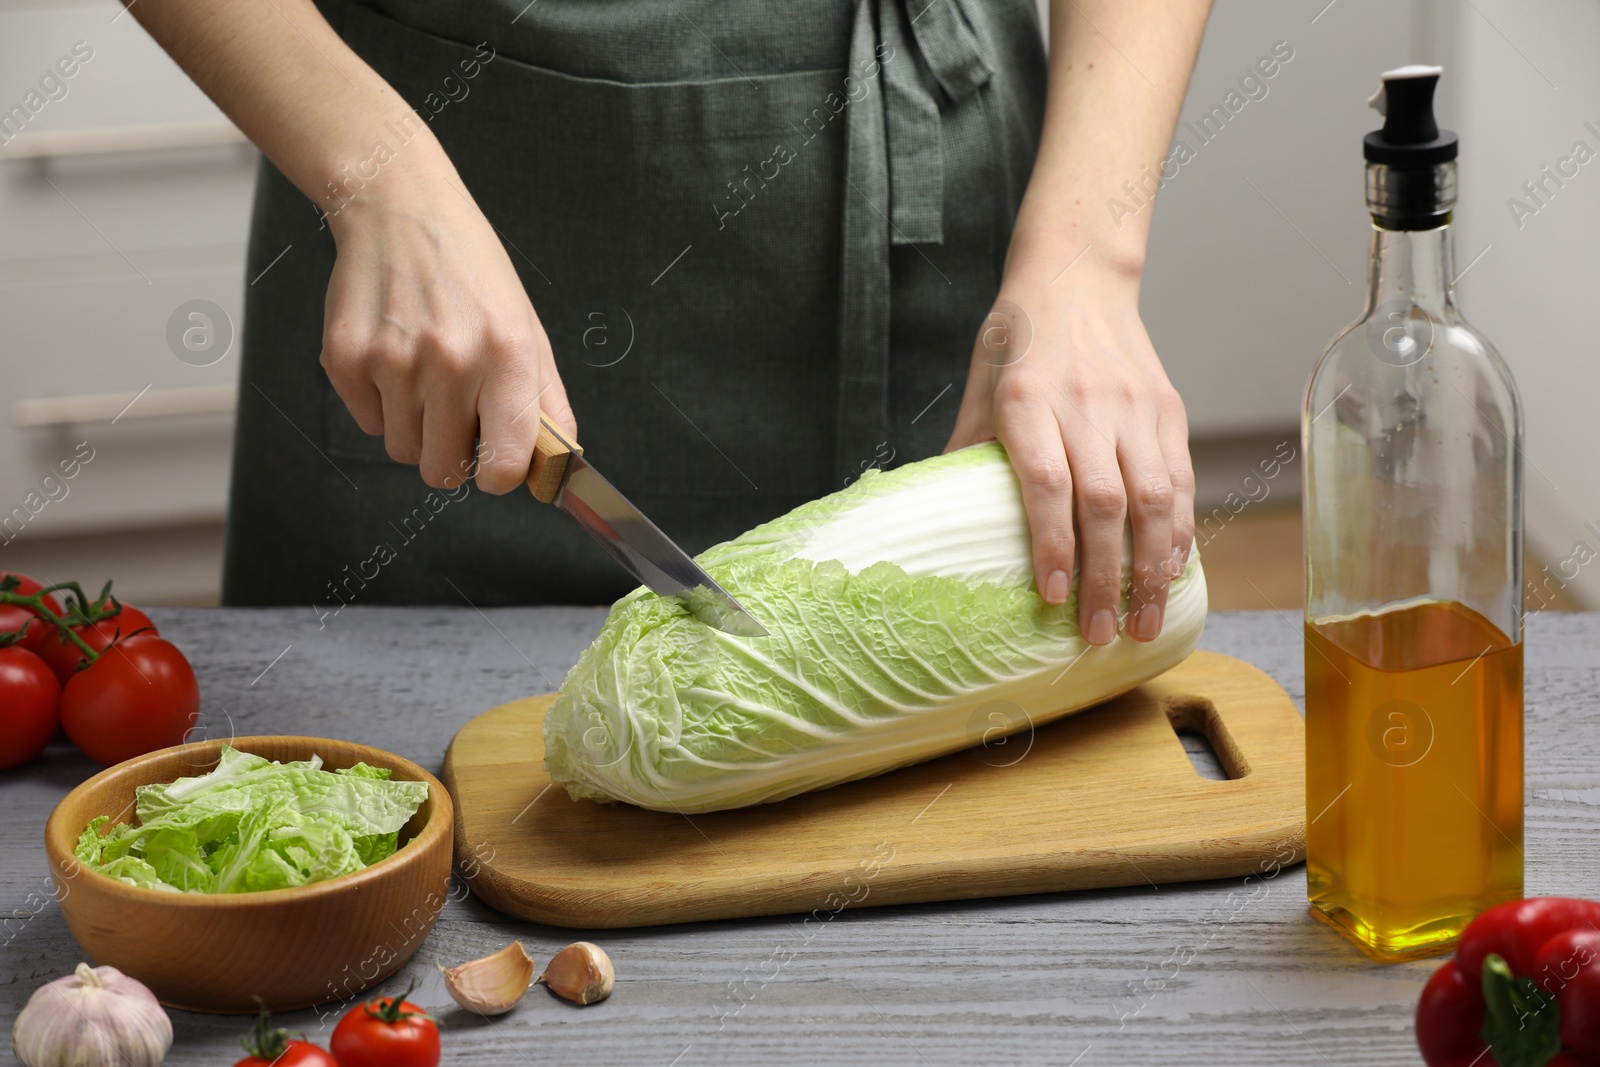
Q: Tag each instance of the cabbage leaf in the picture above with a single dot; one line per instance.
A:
(252, 824)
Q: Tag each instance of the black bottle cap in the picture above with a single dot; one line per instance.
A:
(1410, 137)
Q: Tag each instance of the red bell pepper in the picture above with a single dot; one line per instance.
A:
(1568, 968)
(1522, 991)
(1449, 1020)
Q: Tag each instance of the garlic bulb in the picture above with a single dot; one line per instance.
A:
(94, 1016)
(492, 985)
(581, 973)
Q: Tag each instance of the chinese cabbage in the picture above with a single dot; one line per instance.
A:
(902, 625)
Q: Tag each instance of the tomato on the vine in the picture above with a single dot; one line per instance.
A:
(29, 699)
(35, 627)
(270, 1046)
(386, 1032)
(296, 1053)
(138, 696)
(64, 656)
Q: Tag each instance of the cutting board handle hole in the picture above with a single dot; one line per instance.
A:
(1205, 738)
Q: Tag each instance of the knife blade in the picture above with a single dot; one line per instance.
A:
(560, 475)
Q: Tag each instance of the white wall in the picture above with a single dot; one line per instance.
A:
(1527, 82)
(1258, 252)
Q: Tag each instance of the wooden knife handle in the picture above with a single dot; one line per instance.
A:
(550, 455)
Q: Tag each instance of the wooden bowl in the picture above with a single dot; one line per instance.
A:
(292, 948)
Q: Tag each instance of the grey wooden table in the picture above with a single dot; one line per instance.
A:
(1198, 973)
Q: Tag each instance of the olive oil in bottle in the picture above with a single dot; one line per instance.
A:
(1413, 549)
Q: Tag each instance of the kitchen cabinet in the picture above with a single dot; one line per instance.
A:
(124, 196)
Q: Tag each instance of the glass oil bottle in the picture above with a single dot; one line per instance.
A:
(1412, 435)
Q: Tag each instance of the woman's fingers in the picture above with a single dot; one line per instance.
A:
(1081, 491)
(1031, 433)
(553, 394)
(1102, 508)
(508, 416)
(1150, 502)
(430, 340)
(447, 430)
(359, 395)
(432, 399)
(402, 418)
(1099, 441)
(344, 358)
(508, 421)
(1173, 435)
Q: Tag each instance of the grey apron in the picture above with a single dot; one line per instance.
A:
(760, 237)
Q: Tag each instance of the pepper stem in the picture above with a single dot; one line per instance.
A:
(1521, 1023)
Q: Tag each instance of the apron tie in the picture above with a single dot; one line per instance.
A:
(894, 191)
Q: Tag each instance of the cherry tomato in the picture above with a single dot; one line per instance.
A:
(64, 657)
(15, 616)
(386, 1032)
(140, 695)
(29, 700)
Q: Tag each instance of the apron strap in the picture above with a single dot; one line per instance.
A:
(949, 47)
(894, 189)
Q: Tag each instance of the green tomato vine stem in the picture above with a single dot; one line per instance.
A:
(35, 602)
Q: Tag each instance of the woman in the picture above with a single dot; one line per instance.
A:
(756, 248)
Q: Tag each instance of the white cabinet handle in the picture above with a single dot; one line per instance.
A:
(147, 403)
(115, 140)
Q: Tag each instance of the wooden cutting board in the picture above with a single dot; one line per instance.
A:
(1105, 797)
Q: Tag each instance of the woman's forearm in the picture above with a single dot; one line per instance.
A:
(286, 79)
(428, 333)
(1063, 372)
(1118, 73)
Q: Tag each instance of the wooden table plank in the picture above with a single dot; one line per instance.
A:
(1216, 972)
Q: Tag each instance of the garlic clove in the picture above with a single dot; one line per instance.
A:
(581, 973)
(492, 985)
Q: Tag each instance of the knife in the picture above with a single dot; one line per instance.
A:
(560, 475)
